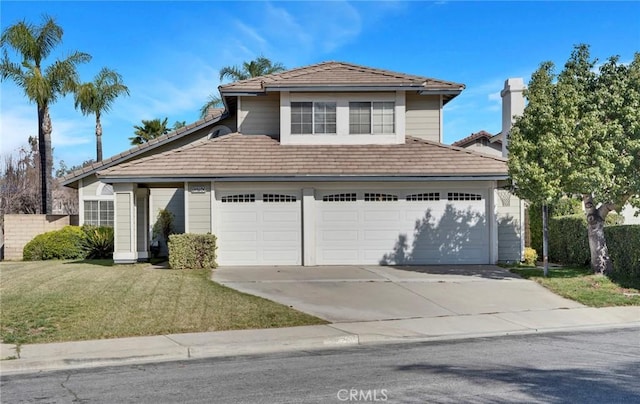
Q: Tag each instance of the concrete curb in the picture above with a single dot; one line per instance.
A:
(172, 350)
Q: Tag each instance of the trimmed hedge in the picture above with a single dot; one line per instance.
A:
(66, 243)
(192, 251)
(624, 249)
(563, 207)
(569, 240)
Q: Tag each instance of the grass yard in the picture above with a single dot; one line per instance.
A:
(50, 301)
(581, 285)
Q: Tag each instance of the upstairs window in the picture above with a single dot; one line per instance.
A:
(313, 117)
(371, 117)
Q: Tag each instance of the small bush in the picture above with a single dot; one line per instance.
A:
(66, 243)
(98, 242)
(162, 229)
(569, 240)
(624, 249)
(192, 251)
(530, 256)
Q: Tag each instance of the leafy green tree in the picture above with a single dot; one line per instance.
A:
(97, 97)
(41, 85)
(580, 135)
(260, 66)
(149, 130)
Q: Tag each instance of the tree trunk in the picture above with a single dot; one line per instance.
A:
(98, 138)
(545, 239)
(600, 260)
(46, 159)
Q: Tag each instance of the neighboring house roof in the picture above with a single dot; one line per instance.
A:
(213, 115)
(237, 155)
(478, 135)
(332, 76)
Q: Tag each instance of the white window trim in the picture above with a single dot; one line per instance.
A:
(313, 119)
(342, 135)
(84, 196)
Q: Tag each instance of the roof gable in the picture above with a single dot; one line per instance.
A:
(332, 75)
(214, 116)
(237, 155)
(475, 136)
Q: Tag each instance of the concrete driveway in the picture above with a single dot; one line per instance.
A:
(369, 293)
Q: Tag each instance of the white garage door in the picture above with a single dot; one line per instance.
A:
(410, 227)
(259, 228)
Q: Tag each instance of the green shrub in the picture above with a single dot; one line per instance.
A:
(530, 256)
(162, 229)
(563, 207)
(66, 243)
(192, 251)
(569, 240)
(98, 242)
(624, 249)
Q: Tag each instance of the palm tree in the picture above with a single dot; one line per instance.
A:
(97, 97)
(254, 68)
(149, 130)
(213, 102)
(41, 85)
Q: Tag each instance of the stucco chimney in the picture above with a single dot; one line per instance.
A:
(512, 106)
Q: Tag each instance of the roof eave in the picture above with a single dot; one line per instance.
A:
(310, 177)
(72, 181)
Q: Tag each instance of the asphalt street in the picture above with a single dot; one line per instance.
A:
(578, 367)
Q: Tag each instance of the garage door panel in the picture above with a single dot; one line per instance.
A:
(234, 236)
(281, 217)
(339, 235)
(339, 216)
(275, 237)
(239, 217)
(381, 215)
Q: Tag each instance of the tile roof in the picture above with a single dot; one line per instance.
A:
(213, 115)
(474, 136)
(338, 74)
(237, 155)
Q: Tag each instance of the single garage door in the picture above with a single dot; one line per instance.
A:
(259, 228)
(410, 227)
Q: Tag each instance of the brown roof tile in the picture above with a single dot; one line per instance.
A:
(338, 74)
(237, 155)
(474, 136)
(213, 116)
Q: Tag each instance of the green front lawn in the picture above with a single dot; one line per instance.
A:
(47, 301)
(581, 285)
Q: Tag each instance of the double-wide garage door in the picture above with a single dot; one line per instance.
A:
(401, 228)
(407, 227)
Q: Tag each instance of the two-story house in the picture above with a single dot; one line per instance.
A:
(327, 164)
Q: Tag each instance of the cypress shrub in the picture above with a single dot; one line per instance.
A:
(569, 240)
(192, 251)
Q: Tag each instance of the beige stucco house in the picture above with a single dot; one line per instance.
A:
(327, 164)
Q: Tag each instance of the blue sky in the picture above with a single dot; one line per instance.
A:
(170, 52)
